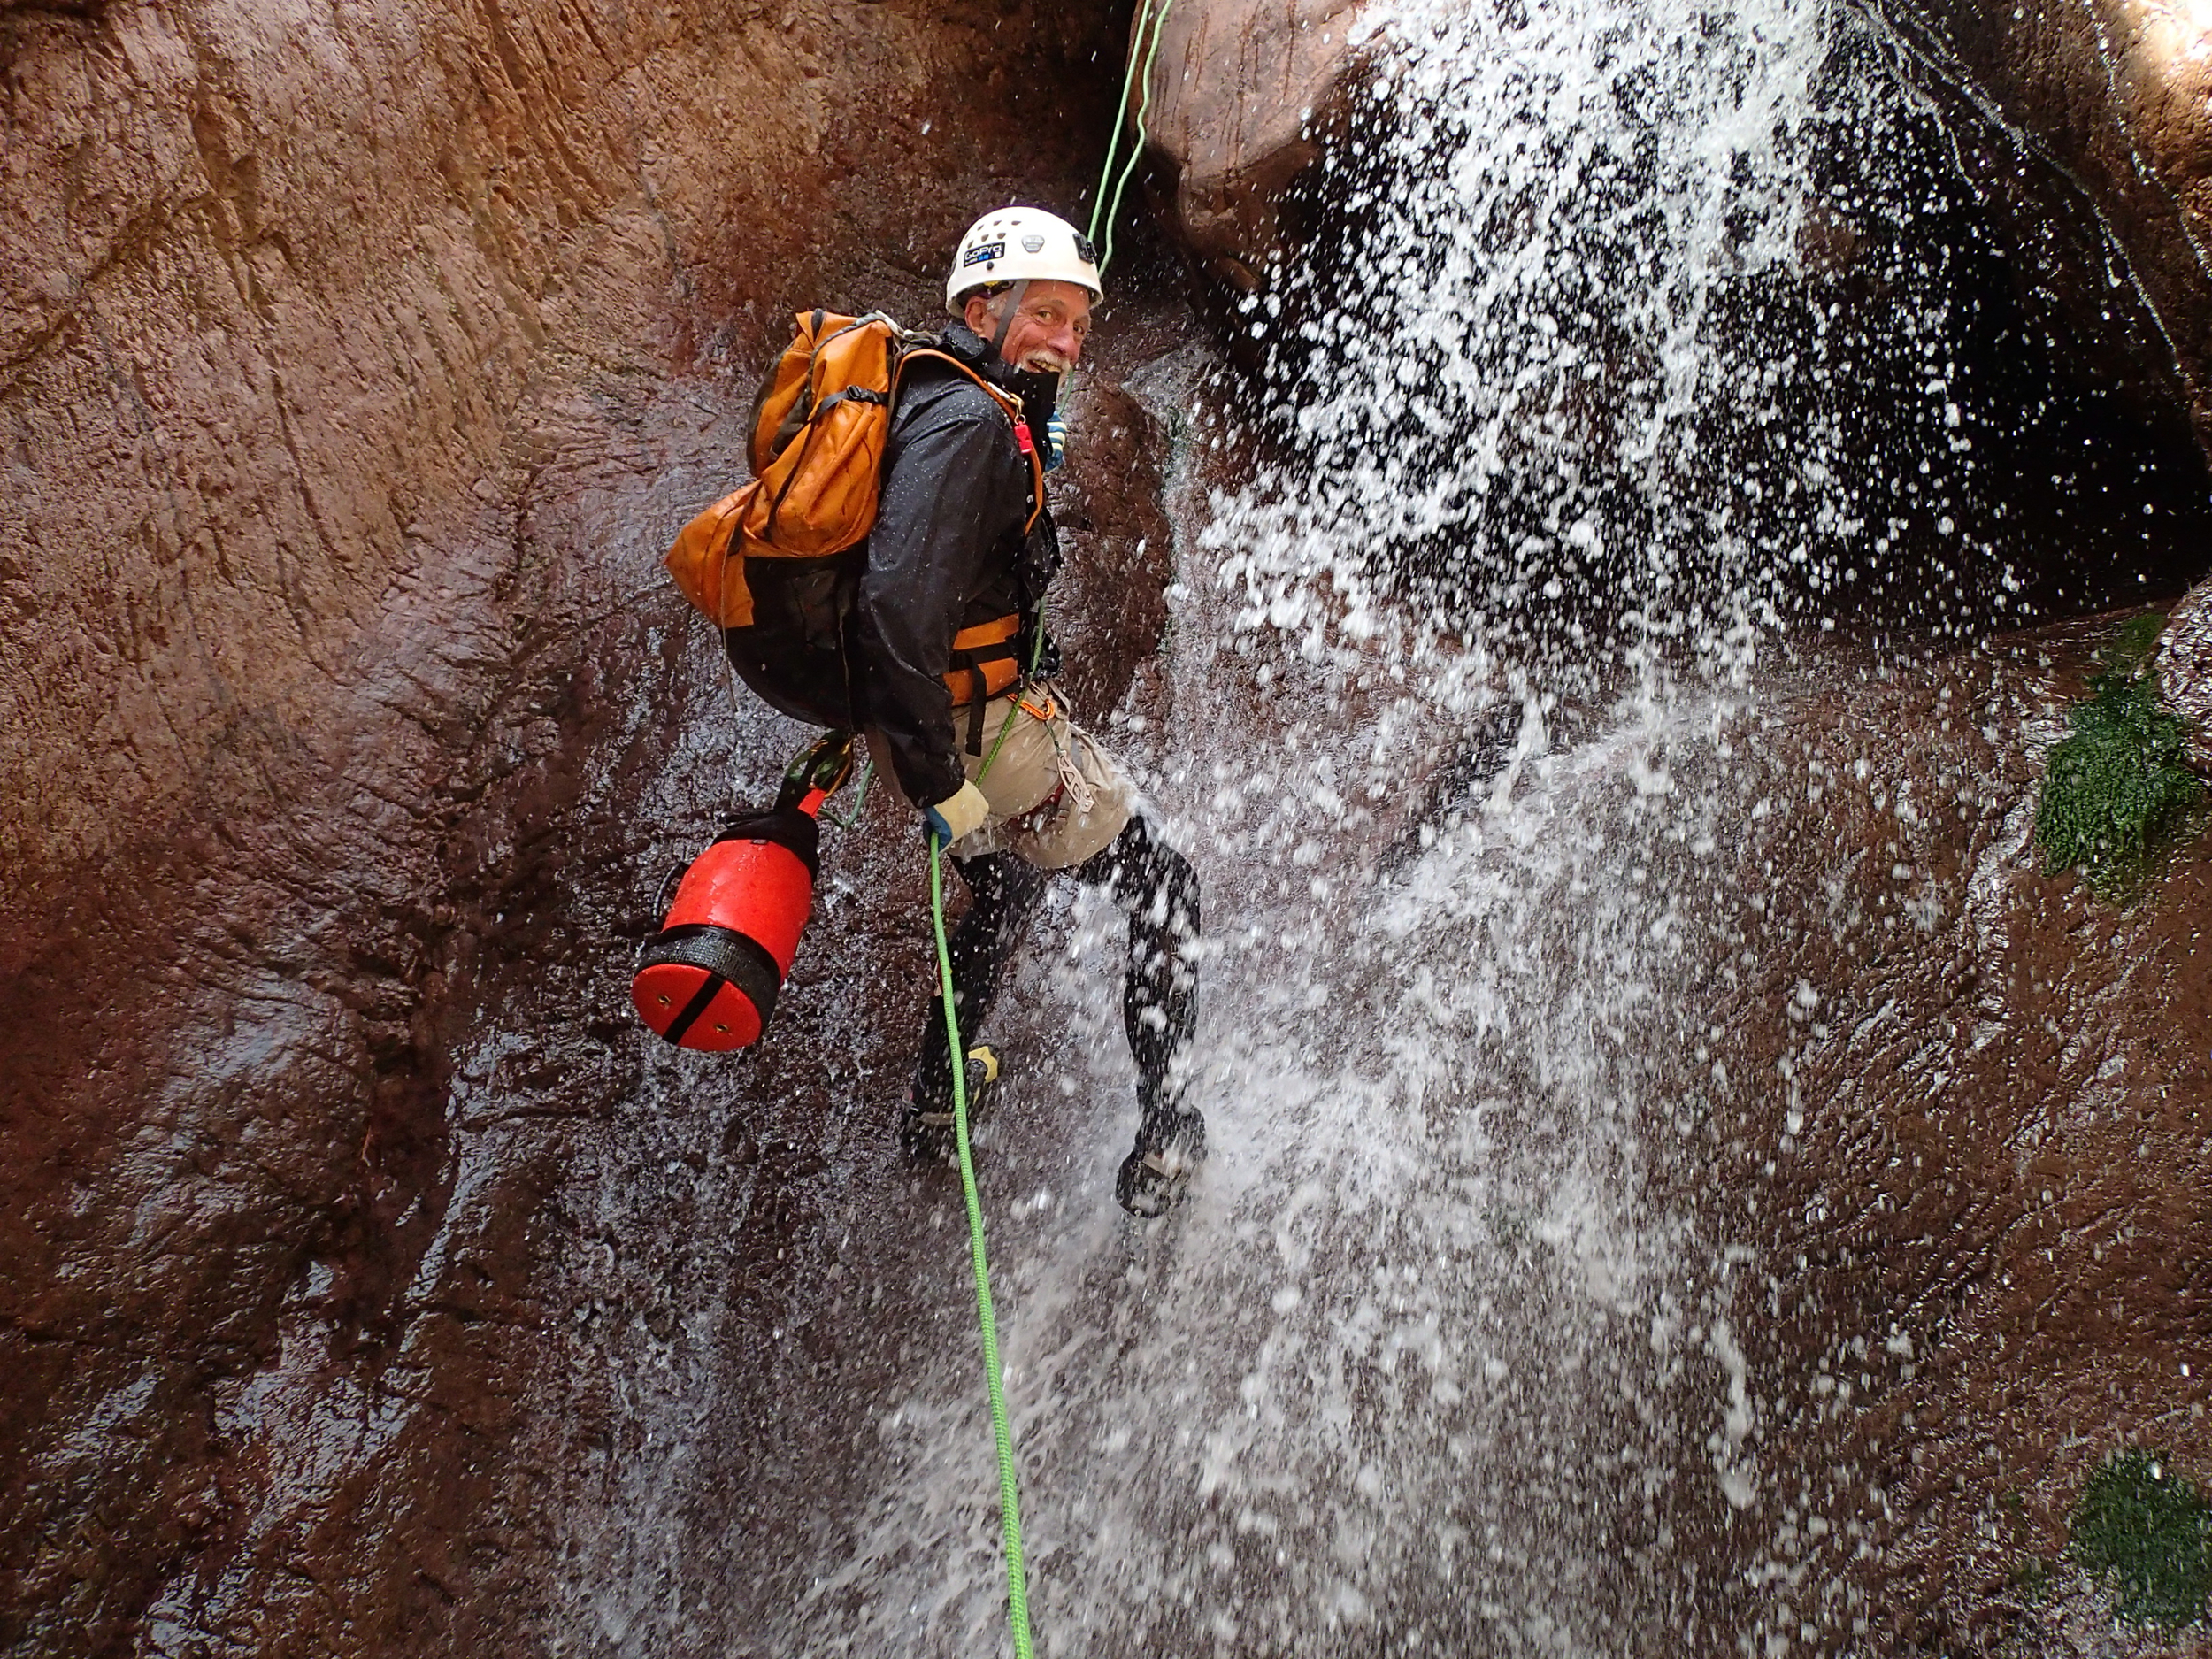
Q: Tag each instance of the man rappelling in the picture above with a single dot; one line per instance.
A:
(928, 636)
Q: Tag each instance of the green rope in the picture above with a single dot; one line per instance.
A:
(851, 821)
(1101, 212)
(1036, 656)
(1017, 1584)
(1121, 118)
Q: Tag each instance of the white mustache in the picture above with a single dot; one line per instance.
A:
(1046, 363)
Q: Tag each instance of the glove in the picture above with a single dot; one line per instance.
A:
(1055, 439)
(955, 815)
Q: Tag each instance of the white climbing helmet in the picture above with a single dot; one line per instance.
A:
(1021, 244)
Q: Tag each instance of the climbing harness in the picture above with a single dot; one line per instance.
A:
(1021, 702)
(1010, 1513)
(1101, 212)
(983, 665)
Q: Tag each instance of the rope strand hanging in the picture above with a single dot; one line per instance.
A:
(1101, 211)
(1010, 1513)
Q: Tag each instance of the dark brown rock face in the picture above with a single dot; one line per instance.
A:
(360, 363)
(2090, 130)
(2085, 129)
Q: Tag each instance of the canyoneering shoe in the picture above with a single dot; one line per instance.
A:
(1170, 1147)
(926, 1130)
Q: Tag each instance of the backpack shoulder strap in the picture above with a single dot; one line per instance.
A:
(1007, 401)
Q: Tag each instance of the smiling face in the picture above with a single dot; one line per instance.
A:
(1049, 327)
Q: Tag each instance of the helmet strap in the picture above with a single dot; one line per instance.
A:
(1014, 296)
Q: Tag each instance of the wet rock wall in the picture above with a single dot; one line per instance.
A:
(2086, 128)
(359, 364)
(1961, 1107)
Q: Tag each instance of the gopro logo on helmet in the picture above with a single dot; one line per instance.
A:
(983, 253)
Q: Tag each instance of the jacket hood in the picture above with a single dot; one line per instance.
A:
(972, 348)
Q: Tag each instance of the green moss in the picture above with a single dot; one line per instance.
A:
(2132, 645)
(2117, 789)
(2143, 1525)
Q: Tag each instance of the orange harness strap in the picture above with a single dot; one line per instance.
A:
(977, 668)
(983, 665)
(995, 632)
(993, 677)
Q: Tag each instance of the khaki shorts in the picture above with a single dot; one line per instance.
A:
(1056, 796)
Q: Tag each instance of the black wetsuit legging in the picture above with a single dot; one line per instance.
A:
(1155, 885)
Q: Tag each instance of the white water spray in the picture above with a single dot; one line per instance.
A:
(1562, 369)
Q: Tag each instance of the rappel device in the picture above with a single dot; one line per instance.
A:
(708, 978)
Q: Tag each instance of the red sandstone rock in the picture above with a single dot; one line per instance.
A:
(1238, 95)
(360, 363)
(1964, 1122)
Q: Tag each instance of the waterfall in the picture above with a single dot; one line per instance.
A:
(1575, 363)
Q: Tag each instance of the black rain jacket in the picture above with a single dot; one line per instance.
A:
(864, 639)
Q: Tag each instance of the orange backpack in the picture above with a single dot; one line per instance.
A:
(819, 427)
